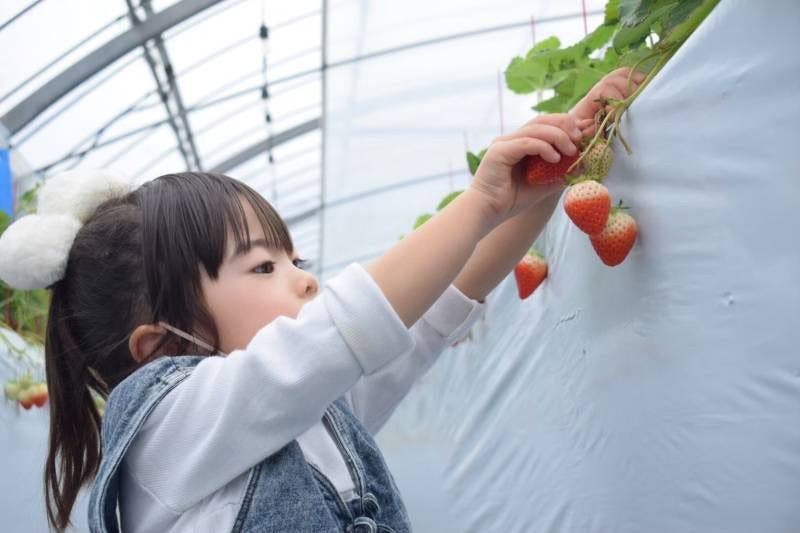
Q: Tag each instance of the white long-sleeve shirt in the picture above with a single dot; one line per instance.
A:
(187, 467)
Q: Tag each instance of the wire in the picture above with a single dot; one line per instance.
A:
(59, 58)
(24, 10)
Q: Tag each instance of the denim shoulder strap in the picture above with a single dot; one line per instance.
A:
(128, 406)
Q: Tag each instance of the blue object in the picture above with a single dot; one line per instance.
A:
(6, 187)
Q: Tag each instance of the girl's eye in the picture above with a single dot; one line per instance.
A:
(265, 268)
(300, 263)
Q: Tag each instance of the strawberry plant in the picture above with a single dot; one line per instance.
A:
(640, 34)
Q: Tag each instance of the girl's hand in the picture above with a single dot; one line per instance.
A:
(501, 174)
(613, 86)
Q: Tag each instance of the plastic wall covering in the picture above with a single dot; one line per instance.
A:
(662, 395)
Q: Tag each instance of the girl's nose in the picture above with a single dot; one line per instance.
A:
(308, 285)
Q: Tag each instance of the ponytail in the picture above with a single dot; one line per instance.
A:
(92, 310)
(74, 446)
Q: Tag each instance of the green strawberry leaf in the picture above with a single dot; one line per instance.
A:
(598, 37)
(5, 220)
(611, 12)
(422, 219)
(474, 160)
(556, 104)
(551, 43)
(677, 31)
(633, 35)
(447, 199)
(634, 12)
(678, 14)
(525, 76)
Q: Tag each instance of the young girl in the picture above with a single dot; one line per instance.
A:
(268, 425)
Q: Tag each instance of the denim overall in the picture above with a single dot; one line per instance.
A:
(284, 492)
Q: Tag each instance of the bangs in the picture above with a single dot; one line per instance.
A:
(275, 231)
(196, 210)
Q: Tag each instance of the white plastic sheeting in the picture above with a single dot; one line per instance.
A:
(662, 395)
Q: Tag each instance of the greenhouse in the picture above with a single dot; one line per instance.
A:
(338, 265)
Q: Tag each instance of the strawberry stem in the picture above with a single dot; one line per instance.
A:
(619, 107)
(578, 179)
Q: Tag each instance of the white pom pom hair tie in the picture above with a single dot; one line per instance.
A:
(34, 249)
(79, 193)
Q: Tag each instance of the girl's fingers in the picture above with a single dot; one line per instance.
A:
(556, 135)
(638, 77)
(512, 151)
(614, 92)
(620, 84)
(565, 121)
(589, 130)
(621, 78)
(551, 134)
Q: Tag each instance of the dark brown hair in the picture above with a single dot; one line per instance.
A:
(136, 261)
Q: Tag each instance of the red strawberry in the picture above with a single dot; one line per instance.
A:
(540, 172)
(39, 396)
(529, 273)
(26, 398)
(617, 239)
(588, 205)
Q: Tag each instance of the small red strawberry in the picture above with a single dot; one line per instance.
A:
(26, 398)
(530, 273)
(39, 396)
(540, 172)
(617, 239)
(588, 205)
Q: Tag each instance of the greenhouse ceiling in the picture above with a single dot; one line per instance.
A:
(351, 117)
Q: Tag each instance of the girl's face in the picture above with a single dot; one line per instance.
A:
(254, 288)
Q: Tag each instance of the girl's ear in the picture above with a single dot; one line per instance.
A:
(144, 340)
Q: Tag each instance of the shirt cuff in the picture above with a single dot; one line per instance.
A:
(453, 314)
(365, 319)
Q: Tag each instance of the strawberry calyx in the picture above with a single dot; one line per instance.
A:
(580, 178)
(620, 207)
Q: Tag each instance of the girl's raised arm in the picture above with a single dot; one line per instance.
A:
(417, 270)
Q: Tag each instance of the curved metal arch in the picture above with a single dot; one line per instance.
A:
(105, 55)
(268, 143)
(137, 104)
